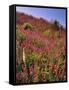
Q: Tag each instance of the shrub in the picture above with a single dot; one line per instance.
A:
(46, 33)
(27, 26)
(19, 35)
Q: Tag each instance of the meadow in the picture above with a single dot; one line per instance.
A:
(40, 50)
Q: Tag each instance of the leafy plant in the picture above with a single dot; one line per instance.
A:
(27, 26)
(19, 68)
(47, 32)
(19, 35)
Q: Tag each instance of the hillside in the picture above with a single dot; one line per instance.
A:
(43, 45)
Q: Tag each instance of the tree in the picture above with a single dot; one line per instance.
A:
(56, 25)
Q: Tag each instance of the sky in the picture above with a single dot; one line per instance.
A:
(45, 13)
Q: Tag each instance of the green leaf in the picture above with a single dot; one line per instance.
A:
(19, 68)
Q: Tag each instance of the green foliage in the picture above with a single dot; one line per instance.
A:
(19, 68)
(47, 75)
(40, 76)
(47, 32)
(31, 58)
(63, 56)
(27, 26)
(19, 35)
(34, 55)
(37, 43)
(55, 25)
